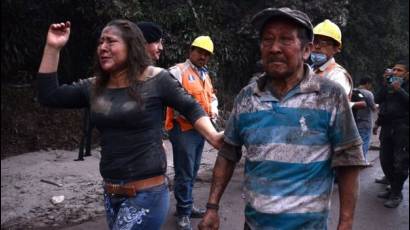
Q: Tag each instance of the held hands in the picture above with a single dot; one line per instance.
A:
(217, 140)
(210, 221)
(58, 35)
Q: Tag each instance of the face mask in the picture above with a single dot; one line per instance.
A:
(317, 59)
(393, 78)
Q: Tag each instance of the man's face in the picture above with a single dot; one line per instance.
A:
(325, 45)
(401, 71)
(154, 49)
(199, 57)
(281, 49)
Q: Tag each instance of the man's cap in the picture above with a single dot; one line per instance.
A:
(152, 32)
(404, 62)
(260, 19)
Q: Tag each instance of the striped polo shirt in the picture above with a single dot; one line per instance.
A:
(290, 147)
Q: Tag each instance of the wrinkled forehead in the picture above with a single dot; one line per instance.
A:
(279, 24)
(111, 31)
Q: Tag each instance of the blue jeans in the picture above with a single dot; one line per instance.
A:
(147, 210)
(187, 150)
(365, 134)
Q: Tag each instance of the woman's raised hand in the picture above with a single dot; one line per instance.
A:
(58, 34)
(57, 37)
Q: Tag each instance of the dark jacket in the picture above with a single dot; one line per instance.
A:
(394, 106)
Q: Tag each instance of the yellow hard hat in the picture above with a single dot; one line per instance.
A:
(329, 29)
(204, 42)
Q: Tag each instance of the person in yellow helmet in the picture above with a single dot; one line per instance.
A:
(327, 43)
(187, 143)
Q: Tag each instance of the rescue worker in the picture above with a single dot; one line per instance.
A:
(326, 44)
(187, 143)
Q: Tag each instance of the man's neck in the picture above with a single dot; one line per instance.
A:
(281, 87)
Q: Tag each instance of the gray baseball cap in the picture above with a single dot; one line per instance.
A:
(259, 20)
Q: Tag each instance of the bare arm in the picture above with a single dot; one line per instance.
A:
(348, 193)
(204, 126)
(57, 37)
(359, 105)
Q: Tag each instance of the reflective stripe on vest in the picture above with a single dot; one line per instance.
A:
(201, 90)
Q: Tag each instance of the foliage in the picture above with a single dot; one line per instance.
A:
(376, 36)
(373, 34)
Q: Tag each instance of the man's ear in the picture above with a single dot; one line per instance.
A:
(307, 49)
(336, 49)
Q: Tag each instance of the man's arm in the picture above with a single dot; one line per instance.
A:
(222, 174)
(402, 92)
(359, 105)
(348, 192)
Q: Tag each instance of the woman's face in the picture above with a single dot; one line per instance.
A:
(112, 50)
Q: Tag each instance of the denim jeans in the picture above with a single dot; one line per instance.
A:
(147, 210)
(187, 150)
(365, 134)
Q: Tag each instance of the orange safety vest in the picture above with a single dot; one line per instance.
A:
(201, 90)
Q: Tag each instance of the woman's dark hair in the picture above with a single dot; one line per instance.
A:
(137, 58)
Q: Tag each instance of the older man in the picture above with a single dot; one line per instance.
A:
(298, 130)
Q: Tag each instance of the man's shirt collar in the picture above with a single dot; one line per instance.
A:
(309, 84)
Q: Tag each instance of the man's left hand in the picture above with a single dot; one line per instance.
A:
(396, 85)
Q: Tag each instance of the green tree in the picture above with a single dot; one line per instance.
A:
(375, 36)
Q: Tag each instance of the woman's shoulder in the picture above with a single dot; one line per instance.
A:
(154, 72)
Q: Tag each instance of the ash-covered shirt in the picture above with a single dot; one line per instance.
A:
(131, 132)
(292, 146)
(335, 72)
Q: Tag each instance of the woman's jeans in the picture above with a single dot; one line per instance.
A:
(147, 210)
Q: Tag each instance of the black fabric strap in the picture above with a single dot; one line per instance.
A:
(212, 206)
